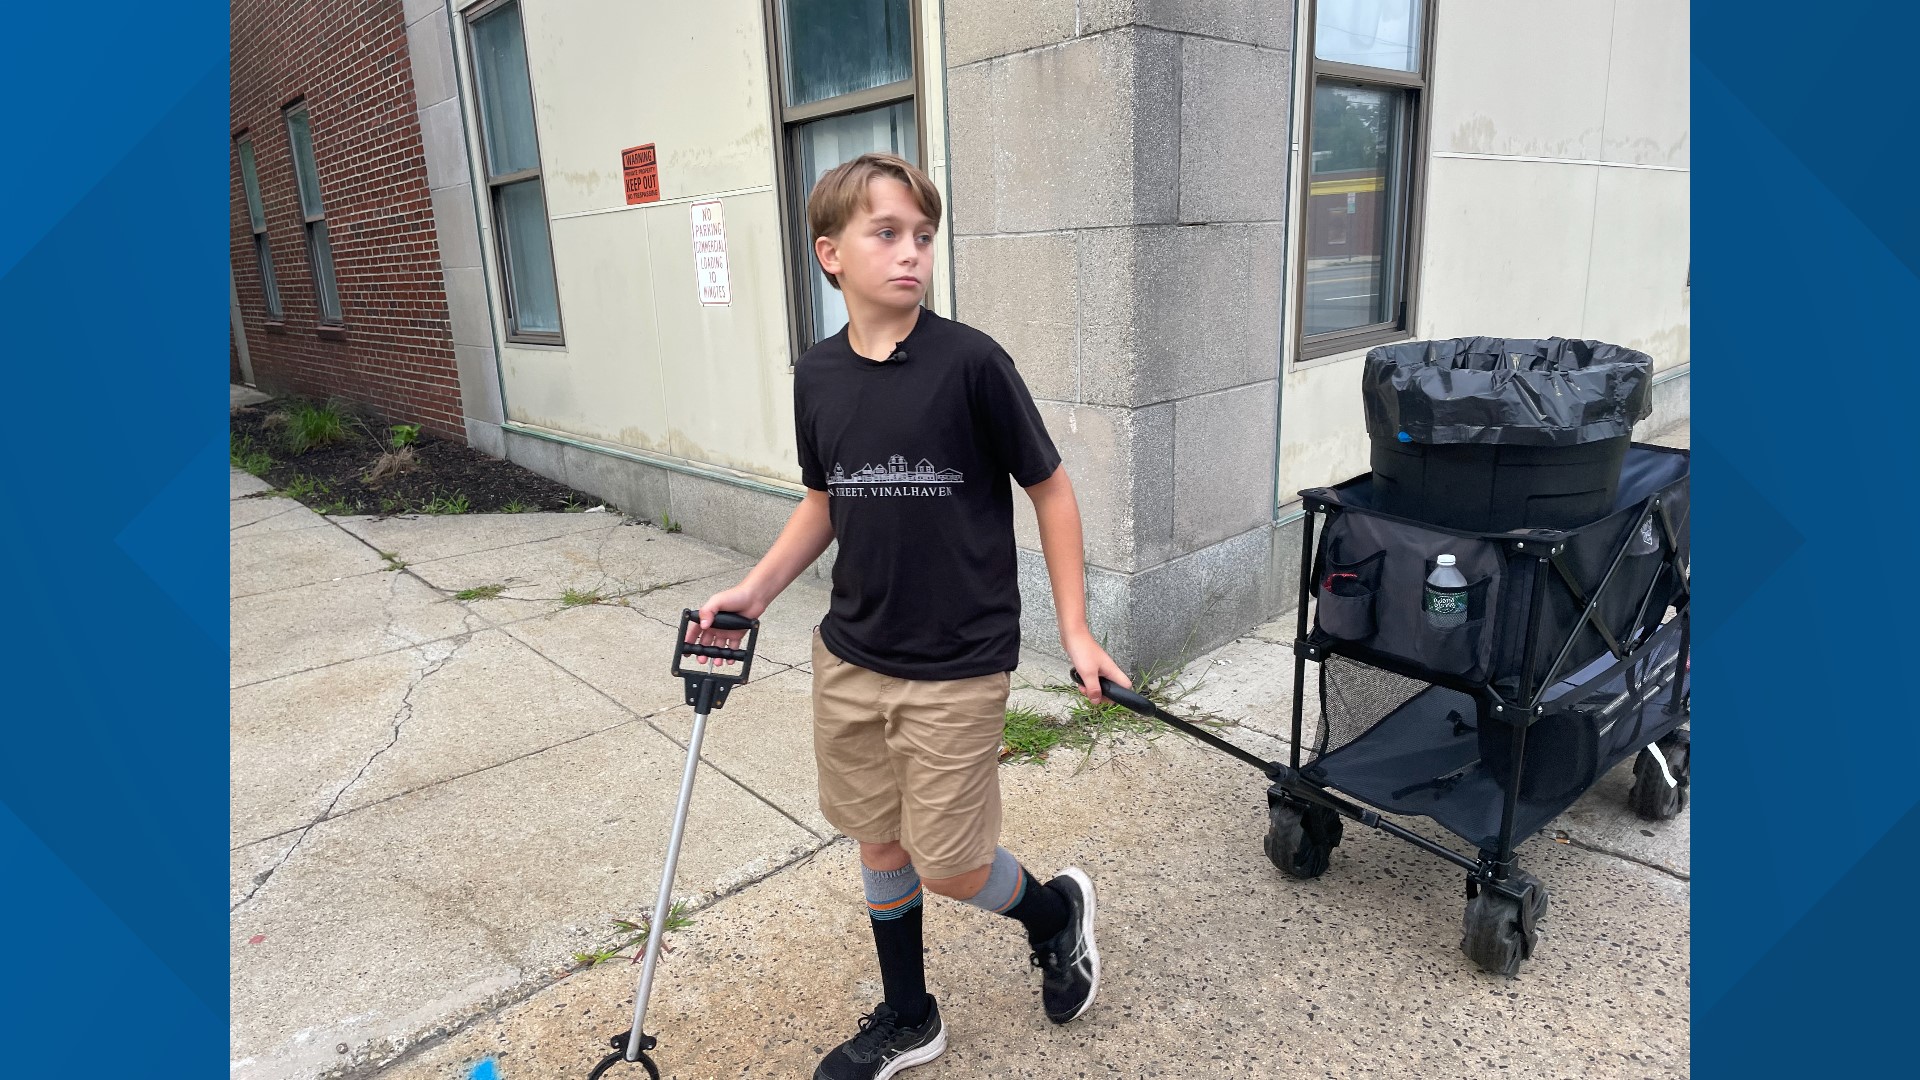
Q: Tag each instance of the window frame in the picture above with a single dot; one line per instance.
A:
(313, 224)
(502, 253)
(790, 188)
(1416, 87)
(262, 248)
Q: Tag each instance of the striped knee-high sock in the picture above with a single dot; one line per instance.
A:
(1011, 891)
(894, 909)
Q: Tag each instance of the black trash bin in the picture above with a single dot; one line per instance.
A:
(1492, 434)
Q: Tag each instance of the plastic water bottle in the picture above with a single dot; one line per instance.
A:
(1446, 595)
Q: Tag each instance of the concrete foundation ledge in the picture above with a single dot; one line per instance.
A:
(741, 513)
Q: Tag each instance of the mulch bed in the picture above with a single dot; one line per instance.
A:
(332, 479)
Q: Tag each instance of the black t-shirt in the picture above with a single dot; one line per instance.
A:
(915, 456)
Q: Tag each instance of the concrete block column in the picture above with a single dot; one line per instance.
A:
(1118, 177)
(451, 186)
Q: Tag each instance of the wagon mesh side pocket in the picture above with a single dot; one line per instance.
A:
(1353, 698)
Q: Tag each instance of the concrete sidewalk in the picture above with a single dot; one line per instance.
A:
(436, 802)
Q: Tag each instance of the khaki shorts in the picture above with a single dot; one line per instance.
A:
(912, 760)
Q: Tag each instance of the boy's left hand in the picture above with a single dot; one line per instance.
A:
(1092, 661)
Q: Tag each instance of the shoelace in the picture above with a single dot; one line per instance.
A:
(876, 1031)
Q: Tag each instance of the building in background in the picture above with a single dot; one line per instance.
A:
(338, 278)
(1187, 223)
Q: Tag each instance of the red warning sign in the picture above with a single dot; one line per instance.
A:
(643, 174)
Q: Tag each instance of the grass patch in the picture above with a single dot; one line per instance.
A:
(304, 425)
(305, 487)
(634, 935)
(581, 597)
(480, 592)
(446, 504)
(1031, 735)
(247, 457)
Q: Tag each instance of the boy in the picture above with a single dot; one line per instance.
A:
(909, 428)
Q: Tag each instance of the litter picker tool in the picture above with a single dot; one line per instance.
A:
(706, 691)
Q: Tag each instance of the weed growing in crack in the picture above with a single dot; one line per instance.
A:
(306, 487)
(480, 592)
(394, 561)
(635, 935)
(668, 524)
(581, 597)
(1030, 734)
(446, 504)
(247, 457)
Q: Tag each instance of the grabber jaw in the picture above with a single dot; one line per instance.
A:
(619, 1044)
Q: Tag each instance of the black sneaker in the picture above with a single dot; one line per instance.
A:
(1069, 962)
(885, 1047)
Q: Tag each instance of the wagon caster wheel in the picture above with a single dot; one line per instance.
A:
(1499, 935)
(1301, 842)
(1652, 796)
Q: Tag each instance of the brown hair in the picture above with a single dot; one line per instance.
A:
(842, 193)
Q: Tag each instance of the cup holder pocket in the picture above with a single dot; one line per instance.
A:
(1456, 644)
(1347, 594)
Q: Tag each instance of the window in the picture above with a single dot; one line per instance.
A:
(257, 221)
(514, 190)
(1364, 140)
(845, 74)
(326, 292)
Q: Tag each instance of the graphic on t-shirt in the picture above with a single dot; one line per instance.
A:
(896, 477)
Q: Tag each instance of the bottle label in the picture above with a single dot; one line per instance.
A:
(1446, 603)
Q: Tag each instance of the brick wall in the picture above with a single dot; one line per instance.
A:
(347, 60)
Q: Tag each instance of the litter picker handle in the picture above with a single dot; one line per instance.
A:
(706, 685)
(722, 620)
(1129, 699)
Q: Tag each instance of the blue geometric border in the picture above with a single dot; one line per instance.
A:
(113, 290)
(1806, 242)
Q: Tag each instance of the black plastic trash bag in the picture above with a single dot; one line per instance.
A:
(1490, 434)
(1506, 391)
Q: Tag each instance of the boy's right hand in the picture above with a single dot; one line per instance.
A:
(740, 600)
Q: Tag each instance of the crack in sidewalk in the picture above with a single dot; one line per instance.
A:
(1563, 837)
(367, 1061)
(400, 717)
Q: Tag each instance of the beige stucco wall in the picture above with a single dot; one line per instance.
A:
(645, 366)
(1556, 200)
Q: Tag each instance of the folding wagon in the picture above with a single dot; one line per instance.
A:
(1572, 656)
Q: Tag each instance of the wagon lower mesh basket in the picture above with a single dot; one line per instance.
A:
(1353, 698)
